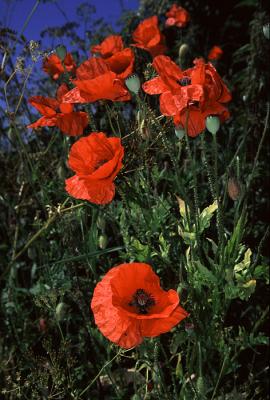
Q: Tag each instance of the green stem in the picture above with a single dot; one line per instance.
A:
(100, 372)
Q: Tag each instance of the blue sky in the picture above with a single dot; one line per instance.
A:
(13, 13)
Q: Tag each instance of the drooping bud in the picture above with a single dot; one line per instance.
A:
(133, 83)
(60, 311)
(179, 132)
(234, 189)
(183, 49)
(61, 51)
(212, 123)
(266, 30)
(103, 241)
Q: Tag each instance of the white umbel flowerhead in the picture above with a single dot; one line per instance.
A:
(266, 30)
(179, 132)
(212, 123)
(133, 83)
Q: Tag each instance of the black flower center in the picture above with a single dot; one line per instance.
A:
(142, 301)
(184, 81)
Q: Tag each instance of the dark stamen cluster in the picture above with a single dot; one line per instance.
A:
(184, 81)
(142, 301)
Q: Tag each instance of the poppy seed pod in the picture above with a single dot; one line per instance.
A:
(179, 132)
(61, 51)
(234, 189)
(212, 123)
(133, 83)
(266, 30)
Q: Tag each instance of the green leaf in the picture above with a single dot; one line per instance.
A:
(206, 215)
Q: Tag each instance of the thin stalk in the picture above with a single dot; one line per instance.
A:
(195, 183)
(220, 376)
(100, 372)
(219, 210)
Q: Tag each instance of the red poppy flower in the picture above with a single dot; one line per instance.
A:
(147, 36)
(56, 113)
(215, 53)
(177, 16)
(129, 304)
(200, 89)
(96, 160)
(122, 63)
(111, 45)
(54, 66)
(95, 81)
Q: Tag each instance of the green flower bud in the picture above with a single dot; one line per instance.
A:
(266, 30)
(212, 123)
(183, 49)
(133, 83)
(179, 132)
(61, 172)
(61, 51)
(103, 241)
(60, 311)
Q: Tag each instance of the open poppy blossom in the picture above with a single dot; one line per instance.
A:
(129, 304)
(95, 81)
(96, 160)
(215, 53)
(177, 16)
(147, 36)
(54, 66)
(111, 45)
(56, 113)
(199, 89)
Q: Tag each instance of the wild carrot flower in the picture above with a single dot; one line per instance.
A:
(96, 160)
(177, 16)
(147, 36)
(54, 66)
(57, 113)
(215, 53)
(129, 304)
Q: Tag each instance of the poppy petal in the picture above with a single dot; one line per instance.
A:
(43, 121)
(72, 123)
(152, 328)
(45, 105)
(155, 86)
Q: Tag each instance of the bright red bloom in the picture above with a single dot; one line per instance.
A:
(57, 113)
(215, 53)
(54, 66)
(129, 304)
(147, 36)
(96, 160)
(111, 45)
(199, 89)
(95, 81)
(177, 16)
(122, 63)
